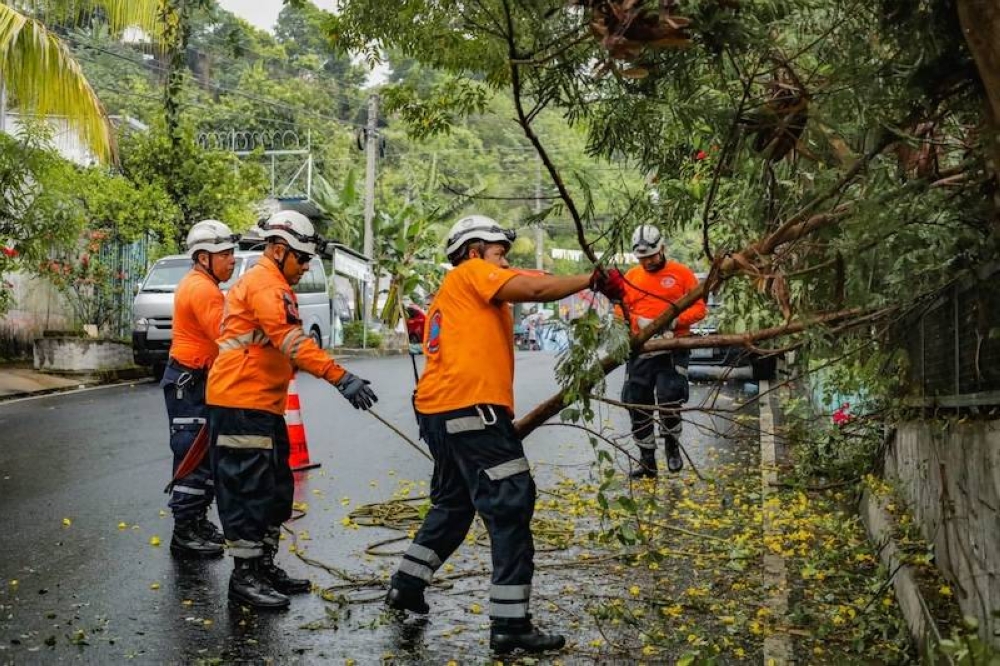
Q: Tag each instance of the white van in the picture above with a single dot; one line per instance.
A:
(153, 307)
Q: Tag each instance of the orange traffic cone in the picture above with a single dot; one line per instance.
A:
(298, 450)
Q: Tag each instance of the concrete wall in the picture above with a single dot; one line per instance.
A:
(81, 355)
(949, 474)
(37, 307)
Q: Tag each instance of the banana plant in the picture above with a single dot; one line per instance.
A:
(408, 241)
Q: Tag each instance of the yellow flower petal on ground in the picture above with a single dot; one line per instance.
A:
(67, 522)
(122, 526)
(634, 590)
(475, 609)
(944, 591)
(349, 662)
(187, 602)
(597, 642)
(154, 540)
(208, 622)
(345, 521)
(14, 582)
(449, 567)
(163, 513)
(649, 650)
(154, 586)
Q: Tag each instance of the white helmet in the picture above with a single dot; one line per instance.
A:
(211, 236)
(646, 241)
(295, 228)
(477, 227)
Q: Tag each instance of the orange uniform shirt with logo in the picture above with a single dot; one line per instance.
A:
(261, 343)
(468, 342)
(198, 305)
(647, 295)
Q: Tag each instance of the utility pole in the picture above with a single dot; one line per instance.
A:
(539, 232)
(371, 152)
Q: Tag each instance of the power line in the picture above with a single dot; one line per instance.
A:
(215, 86)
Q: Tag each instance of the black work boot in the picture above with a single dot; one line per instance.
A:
(407, 599)
(187, 541)
(247, 585)
(647, 465)
(507, 636)
(674, 461)
(209, 531)
(278, 577)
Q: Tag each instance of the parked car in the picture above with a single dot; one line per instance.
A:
(153, 307)
(415, 321)
(732, 356)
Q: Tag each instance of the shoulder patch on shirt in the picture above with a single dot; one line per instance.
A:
(291, 308)
(434, 333)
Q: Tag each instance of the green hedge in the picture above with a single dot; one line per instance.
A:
(352, 335)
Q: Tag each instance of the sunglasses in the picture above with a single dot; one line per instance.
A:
(302, 257)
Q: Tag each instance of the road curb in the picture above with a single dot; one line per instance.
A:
(919, 619)
(778, 647)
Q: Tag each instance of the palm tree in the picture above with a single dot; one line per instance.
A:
(40, 73)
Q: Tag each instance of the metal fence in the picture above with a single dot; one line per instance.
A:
(954, 345)
(127, 262)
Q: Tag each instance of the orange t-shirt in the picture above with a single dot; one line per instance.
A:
(262, 342)
(198, 304)
(468, 342)
(647, 295)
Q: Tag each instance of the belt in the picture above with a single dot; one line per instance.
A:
(474, 417)
(177, 365)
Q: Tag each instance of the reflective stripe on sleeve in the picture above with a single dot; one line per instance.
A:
(507, 469)
(188, 420)
(245, 441)
(290, 345)
(188, 490)
(254, 337)
(681, 370)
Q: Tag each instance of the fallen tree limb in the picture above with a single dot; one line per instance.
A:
(551, 406)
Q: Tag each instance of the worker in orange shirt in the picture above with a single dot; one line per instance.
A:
(198, 303)
(465, 405)
(657, 379)
(261, 344)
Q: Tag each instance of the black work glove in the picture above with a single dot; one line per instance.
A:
(357, 391)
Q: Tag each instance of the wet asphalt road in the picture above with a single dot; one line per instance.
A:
(81, 478)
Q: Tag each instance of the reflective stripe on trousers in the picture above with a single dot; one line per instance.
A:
(186, 409)
(254, 485)
(479, 466)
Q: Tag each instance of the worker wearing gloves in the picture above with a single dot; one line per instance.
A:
(657, 379)
(464, 403)
(261, 343)
(197, 319)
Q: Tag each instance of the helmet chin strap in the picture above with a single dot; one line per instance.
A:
(209, 270)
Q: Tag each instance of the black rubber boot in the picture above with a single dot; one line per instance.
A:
(187, 541)
(405, 599)
(209, 531)
(647, 465)
(507, 636)
(278, 577)
(674, 460)
(247, 585)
